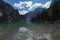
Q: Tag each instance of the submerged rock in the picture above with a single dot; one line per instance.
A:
(23, 29)
(22, 34)
(26, 34)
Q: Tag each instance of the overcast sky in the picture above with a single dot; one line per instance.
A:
(24, 6)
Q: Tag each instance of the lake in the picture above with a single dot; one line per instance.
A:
(10, 28)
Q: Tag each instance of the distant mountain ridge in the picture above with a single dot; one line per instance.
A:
(34, 13)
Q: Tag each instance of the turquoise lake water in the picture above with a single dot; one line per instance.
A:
(9, 28)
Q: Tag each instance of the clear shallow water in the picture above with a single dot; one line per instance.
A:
(8, 29)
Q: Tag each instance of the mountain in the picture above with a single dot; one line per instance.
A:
(33, 13)
(41, 16)
(55, 6)
(7, 12)
(51, 14)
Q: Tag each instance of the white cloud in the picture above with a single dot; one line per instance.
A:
(47, 5)
(34, 6)
(21, 4)
(18, 6)
(30, 6)
(23, 12)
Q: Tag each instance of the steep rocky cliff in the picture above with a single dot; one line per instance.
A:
(7, 12)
